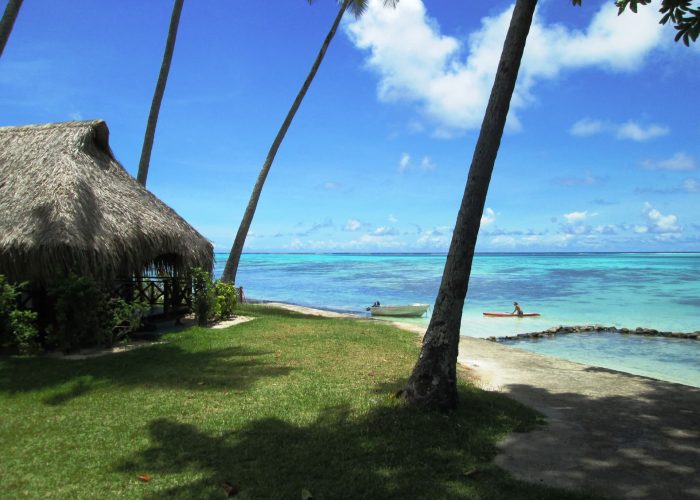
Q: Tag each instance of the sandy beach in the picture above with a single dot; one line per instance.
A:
(609, 432)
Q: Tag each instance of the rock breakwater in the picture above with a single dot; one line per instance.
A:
(564, 330)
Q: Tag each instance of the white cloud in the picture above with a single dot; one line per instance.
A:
(426, 164)
(488, 217)
(352, 225)
(678, 162)
(384, 231)
(451, 81)
(378, 242)
(586, 127)
(331, 186)
(691, 185)
(658, 222)
(437, 237)
(576, 216)
(295, 244)
(392, 219)
(629, 130)
(636, 132)
(531, 240)
(404, 162)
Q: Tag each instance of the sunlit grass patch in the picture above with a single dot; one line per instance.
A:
(280, 403)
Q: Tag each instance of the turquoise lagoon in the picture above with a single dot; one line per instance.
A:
(659, 291)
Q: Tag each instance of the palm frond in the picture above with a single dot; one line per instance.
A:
(358, 7)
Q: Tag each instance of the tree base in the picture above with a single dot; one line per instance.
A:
(433, 383)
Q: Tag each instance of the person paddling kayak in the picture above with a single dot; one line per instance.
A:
(517, 309)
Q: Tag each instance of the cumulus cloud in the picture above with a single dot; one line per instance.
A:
(576, 216)
(352, 225)
(488, 217)
(435, 237)
(586, 127)
(385, 231)
(678, 162)
(636, 132)
(451, 79)
(392, 219)
(691, 185)
(427, 164)
(404, 162)
(658, 222)
(532, 240)
(629, 130)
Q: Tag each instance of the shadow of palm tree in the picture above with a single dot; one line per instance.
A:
(391, 452)
(163, 365)
(638, 444)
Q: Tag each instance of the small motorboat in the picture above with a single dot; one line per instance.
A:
(407, 311)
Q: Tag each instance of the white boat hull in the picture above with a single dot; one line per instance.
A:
(409, 311)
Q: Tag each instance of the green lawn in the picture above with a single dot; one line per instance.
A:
(280, 404)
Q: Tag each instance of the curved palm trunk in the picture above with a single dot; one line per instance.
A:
(8, 21)
(234, 257)
(158, 94)
(433, 383)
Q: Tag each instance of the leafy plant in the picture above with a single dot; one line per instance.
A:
(204, 300)
(226, 298)
(8, 301)
(212, 300)
(18, 330)
(24, 331)
(124, 318)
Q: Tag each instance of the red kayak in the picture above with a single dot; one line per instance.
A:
(510, 315)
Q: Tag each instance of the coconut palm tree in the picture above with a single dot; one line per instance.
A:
(158, 94)
(8, 21)
(357, 7)
(433, 382)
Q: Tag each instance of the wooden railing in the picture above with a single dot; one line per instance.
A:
(165, 295)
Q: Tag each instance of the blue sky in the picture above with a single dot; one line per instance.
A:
(601, 152)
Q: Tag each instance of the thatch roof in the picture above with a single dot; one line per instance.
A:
(66, 204)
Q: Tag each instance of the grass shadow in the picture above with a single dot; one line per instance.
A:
(158, 366)
(390, 452)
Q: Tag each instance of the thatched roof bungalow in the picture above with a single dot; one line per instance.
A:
(66, 204)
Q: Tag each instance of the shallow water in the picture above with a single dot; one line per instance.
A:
(675, 360)
(659, 291)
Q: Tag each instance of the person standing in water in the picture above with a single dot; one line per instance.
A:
(517, 309)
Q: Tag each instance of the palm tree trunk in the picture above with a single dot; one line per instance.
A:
(433, 383)
(158, 94)
(234, 257)
(8, 21)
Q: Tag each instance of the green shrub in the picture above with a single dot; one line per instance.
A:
(24, 331)
(81, 314)
(18, 330)
(211, 300)
(123, 318)
(226, 299)
(8, 303)
(204, 302)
